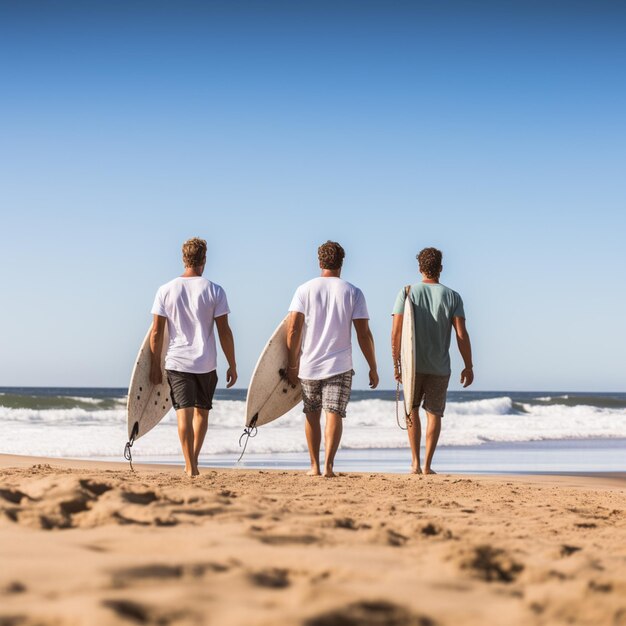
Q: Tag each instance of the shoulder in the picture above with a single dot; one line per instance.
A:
(169, 285)
(309, 285)
(351, 291)
(415, 290)
(451, 292)
(452, 297)
(215, 289)
(347, 285)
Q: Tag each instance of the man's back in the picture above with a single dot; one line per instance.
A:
(434, 306)
(191, 305)
(329, 305)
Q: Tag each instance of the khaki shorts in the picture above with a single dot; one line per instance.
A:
(432, 389)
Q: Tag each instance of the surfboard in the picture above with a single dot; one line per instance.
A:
(269, 394)
(407, 352)
(147, 403)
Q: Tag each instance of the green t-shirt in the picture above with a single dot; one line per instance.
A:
(434, 306)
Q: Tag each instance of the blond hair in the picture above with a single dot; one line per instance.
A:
(194, 252)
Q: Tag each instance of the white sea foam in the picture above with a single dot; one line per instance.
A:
(83, 400)
(371, 424)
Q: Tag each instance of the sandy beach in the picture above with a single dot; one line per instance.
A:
(93, 543)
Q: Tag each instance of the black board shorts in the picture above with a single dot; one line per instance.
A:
(192, 390)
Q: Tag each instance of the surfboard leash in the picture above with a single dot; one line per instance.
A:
(129, 444)
(248, 432)
(407, 418)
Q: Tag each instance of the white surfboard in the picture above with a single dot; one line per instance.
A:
(147, 403)
(407, 353)
(270, 395)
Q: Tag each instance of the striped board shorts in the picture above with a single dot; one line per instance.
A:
(331, 394)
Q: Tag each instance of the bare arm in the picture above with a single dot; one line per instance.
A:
(295, 324)
(465, 348)
(228, 347)
(366, 343)
(396, 341)
(156, 347)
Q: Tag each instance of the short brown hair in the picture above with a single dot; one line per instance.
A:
(194, 252)
(330, 255)
(429, 260)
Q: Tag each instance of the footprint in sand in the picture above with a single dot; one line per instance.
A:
(140, 497)
(368, 613)
(281, 540)
(271, 578)
(345, 522)
(96, 488)
(14, 496)
(431, 530)
(586, 525)
(393, 538)
(569, 550)
(143, 614)
(492, 564)
(155, 572)
(14, 586)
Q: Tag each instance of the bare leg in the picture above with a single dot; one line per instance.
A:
(332, 437)
(185, 433)
(432, 437)
(414, 430)
(314, 439)
(200, 426)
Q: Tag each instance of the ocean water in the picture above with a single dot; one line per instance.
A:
(482, 431)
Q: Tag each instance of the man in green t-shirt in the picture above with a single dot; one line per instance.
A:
(437, 311)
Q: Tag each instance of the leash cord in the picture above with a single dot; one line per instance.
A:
(397, 407)
(128, 454)
(129, 444)
(248, 432)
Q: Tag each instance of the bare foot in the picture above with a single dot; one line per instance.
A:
(314, 471)
(429, 471)
(415, 470)
(328, 473)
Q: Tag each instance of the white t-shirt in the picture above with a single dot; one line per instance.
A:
(191, 306)
(329, 306)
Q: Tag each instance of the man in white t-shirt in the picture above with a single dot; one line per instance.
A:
(319, 340)
(191, 305)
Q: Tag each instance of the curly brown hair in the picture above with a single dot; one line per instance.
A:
(429, 260)
(330, 255)
(194, 252)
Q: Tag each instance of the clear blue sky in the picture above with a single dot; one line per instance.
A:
(493, 130)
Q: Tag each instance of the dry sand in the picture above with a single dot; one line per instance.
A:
(94, 544)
